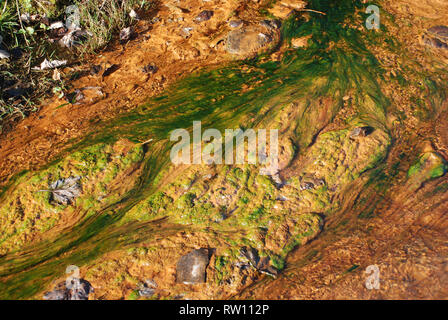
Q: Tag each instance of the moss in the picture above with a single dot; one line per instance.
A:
(429, 165)
(221, 263)
(186, 201)
(134, 295)
(277, 262)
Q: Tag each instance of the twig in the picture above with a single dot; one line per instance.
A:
(311, 10)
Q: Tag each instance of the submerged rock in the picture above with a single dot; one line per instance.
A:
(204, 16)
(271, 24)
(235, 23)
(79, 289)
(147, 289)
(248, 40)
(95, 69)
(191, 267)
(437, 37)
(261, 264)
(360, 132)
(150, 68)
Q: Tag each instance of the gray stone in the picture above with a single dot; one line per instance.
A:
(78, 289)
(437, 37)
(56, 295)
(360, 132)
(191, 267)
(147, 289)
(204, 16)
(235, 23)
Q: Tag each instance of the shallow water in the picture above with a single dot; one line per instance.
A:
(337, 61)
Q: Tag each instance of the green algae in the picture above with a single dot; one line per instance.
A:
(215, 98)
(431, 165)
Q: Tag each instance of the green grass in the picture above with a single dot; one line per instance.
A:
(102, 19)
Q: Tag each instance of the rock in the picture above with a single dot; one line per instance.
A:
(309, 182)
(56, 25)
(86, 95)
(360, 132)
(191, 267)
(147, 289)
(75, 97)
(271, 24)
(186, 32)
(95, 69)
(146, 292)
(437, 37)
(57, 34)
(235, 23)
(261, 264)
(56, 75)
(204, 16)
(79, 289)
(429, 165)
(4, 54)
(306, 186)
(25, 17)
(56, 295)
(51, 64)
(125, 34)
(248, 40)
(73, 38)
(150, 68)
(133, 14)
(251, 255)
(440, 31)
(111, 69)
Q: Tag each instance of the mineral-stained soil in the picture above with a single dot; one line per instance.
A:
(362, 168)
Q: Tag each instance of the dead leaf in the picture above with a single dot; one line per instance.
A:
(64, 191)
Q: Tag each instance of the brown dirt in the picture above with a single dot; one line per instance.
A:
(43, 135)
